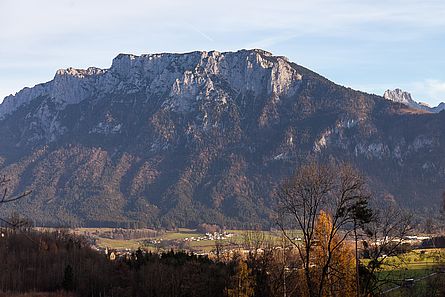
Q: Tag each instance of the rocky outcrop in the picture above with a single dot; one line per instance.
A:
(405, 98)
(185, 77)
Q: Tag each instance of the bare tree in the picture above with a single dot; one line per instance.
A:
(6, 197)
(253, 241)
(219, 249)
(338, 190)
(384, 238)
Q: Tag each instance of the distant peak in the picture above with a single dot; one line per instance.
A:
(398, 95)
(401, 96)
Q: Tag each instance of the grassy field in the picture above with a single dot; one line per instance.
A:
(176, 238)
(182, 233)
(133, 244)
(430, 286)
(419, 259)
(416, 264)
(118, 243)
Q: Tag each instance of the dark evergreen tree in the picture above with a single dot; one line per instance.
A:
(68, 278)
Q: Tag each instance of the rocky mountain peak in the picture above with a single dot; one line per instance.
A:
(439, 107)
(166, 74)
(400, 96)
(404, 97)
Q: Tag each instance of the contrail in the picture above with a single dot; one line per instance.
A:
(202, 33)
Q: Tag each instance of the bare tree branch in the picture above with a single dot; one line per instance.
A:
(337, 190)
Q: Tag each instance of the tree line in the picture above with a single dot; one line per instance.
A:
(335, 242)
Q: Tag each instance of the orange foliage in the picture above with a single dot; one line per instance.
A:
(341, 270)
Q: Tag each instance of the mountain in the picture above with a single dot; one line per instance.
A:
(403, 97)
(439, 107)
(181, 139)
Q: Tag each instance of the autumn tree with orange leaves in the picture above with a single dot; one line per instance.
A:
(340, 192)
(341, 276)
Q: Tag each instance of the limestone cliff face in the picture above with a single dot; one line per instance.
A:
(183, 81)
(180, 139)
(182, 76)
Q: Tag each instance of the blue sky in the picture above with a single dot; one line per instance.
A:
(367, 45)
